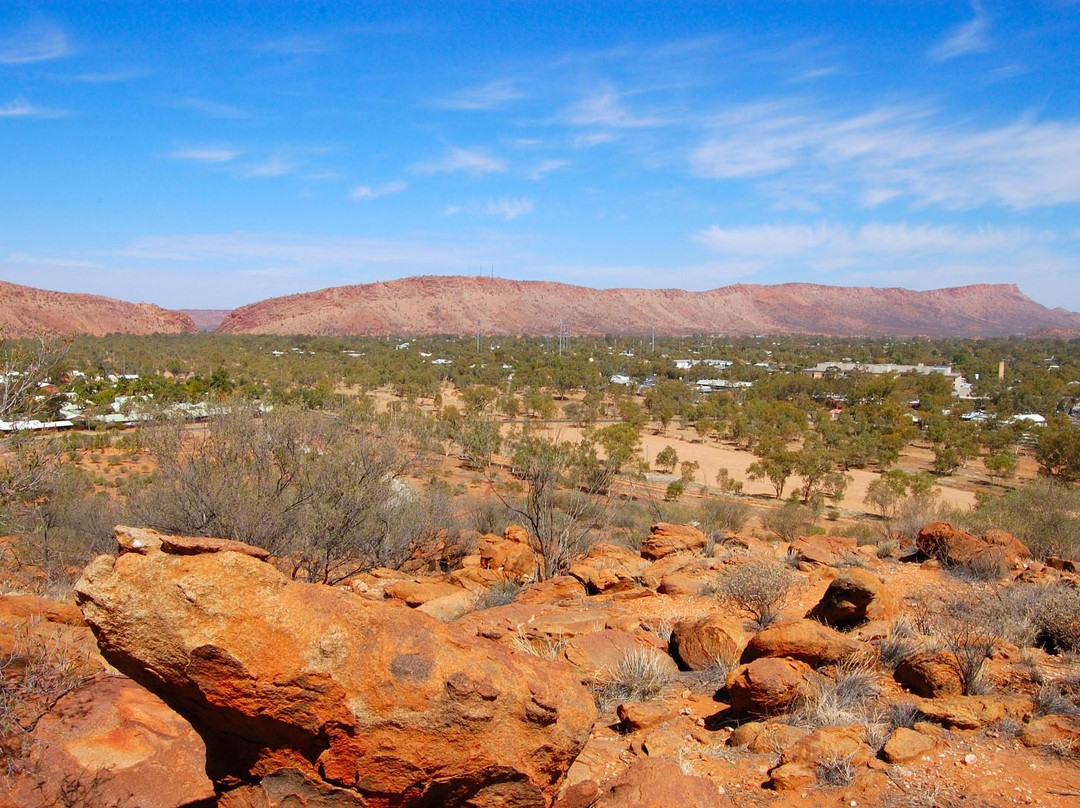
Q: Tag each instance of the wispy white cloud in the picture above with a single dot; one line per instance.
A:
(972, 36)
(207, 154)
(544, 167)
(375, 191)
(262, 250)
(35, 42)
(894, 254)
(467, 161)
(21, 108)
(605, 108)
(825, 239)
(51, 261)
(107, 78)
(213, 108)
(816, 73)
(491, 95)
(276, 165)
(509, 208)
(590, 139)
(908, 150)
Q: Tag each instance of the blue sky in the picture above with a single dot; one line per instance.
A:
(209, 154)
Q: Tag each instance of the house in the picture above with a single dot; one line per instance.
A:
(961, 387)
(620, 378)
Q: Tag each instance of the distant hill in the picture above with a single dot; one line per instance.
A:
(206, 319)
(463, 305)
(25, 311)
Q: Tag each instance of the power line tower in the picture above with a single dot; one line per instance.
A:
(563, 336)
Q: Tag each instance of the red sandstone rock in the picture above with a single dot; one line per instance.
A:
(856, 596)
(666, 539)
(369, 697)
(952, 546)
(700, 644)
(510, 554)
(804, 640)
(767, 686)
(119, 742)
(655, 782)
(930, 674)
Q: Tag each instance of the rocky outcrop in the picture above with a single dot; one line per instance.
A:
(653, 782)
(461, 305)
(712, 640)
(305, 689)
(667, 539)
(119, 743)
(25, 311)
(510, 554)
(805, 640)
(930, 674)
(953, 546)
(799, 764)
(855, 596)
(767, 686)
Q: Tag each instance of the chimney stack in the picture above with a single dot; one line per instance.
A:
(1001, 370)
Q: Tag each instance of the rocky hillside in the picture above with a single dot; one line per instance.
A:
(461, 305)
(25, 311)
(686, 673)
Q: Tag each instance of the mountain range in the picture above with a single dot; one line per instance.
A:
(464, 305)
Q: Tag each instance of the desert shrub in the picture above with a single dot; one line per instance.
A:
(758, 587)
(902, 714)
(862, 532)
(914, 512)
(499, 593)
(843, 699)
(790, 521)
(1044, 514)
(1058, 619)
(543, 647)
(894, 647)
(983, 567)
(34, 675)
(674, 491)
(836, 771)
(325, 493)
(970, 645)
(718, 515)
(1050, 699)
(641, 674)
(486, 514)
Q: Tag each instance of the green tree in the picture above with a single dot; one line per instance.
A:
(776, 464)
(1058, 454)
(666, 459)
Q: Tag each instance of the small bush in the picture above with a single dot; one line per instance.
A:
(790, 521)
(841, 700)
(33, 677)
(640, 675)
(902, 714)
(894, 648)
(757, 587)
(543, 647)
(1058, 619)
(1051, 700)
(836, 771)
(499, 593)
(718, 515)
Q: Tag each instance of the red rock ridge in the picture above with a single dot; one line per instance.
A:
(25, 311)
(461, 305)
